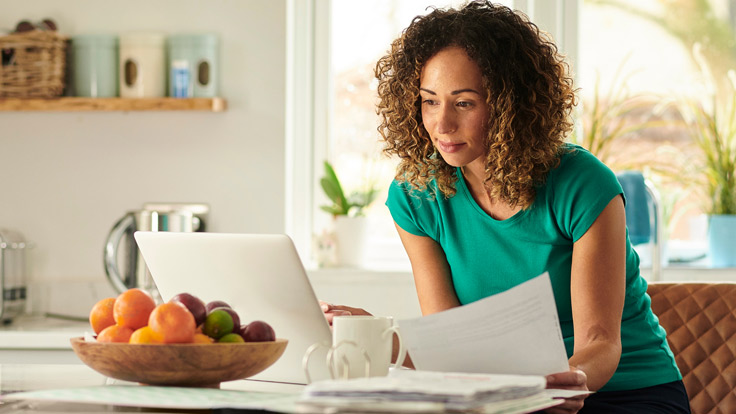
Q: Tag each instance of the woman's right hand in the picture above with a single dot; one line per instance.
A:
(575, 379)
(331, 311)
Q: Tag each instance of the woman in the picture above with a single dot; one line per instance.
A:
(476, 104)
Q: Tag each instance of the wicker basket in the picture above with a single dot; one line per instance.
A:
(37, 67)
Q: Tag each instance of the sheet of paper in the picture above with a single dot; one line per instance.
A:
(513, 332)
(557, 393)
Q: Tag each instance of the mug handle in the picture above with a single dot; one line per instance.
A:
(307, 355)
(332, 367)
(402, 350)
(330, 360)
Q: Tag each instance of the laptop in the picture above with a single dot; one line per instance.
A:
(259, 275)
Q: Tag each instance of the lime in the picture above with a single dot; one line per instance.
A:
(231, 337)
(218, 324)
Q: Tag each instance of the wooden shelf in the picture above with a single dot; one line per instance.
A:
(76, 104)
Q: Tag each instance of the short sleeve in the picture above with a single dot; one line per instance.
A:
(405, 205)
(582, 187)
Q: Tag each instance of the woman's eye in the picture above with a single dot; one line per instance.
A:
(464, 104)
(428, 102)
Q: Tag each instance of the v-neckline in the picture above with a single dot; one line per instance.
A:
(469, 195)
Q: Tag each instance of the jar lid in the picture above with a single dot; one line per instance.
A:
(142, 39)
(88, 40)
(193, 39)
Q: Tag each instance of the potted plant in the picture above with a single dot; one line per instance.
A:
(712, 125)
(349, 220)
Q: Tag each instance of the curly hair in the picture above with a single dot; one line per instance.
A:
(529, 90)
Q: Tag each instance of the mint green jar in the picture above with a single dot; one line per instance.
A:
(193, 65)
(95, 65)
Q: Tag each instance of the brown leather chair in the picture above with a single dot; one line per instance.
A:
(700, 320)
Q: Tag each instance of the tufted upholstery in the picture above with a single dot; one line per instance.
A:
(700, 320)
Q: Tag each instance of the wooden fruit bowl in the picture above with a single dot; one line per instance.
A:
(192, 365)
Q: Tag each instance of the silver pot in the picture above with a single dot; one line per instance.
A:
(123, 261)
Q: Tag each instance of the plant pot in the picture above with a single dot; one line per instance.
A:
(350, 235)
(722, 240)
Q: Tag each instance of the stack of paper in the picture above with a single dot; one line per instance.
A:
(424, 392)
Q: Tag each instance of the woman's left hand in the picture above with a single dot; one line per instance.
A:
(574, 379)
(331, 311)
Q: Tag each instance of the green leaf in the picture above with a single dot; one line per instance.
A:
(332, 210)
(333, 190)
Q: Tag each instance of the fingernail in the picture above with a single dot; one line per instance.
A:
(324, 307)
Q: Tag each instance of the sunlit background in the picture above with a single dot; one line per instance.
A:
(636, 62)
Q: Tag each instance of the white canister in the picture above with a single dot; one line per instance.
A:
(142, 65)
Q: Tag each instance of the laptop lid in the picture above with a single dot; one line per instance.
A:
(259, 275)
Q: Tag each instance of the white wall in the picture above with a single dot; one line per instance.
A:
(65, 178)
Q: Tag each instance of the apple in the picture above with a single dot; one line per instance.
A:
(216, 304)
(195, 305)
(258, 331)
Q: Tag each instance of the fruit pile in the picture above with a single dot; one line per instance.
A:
(135, 318)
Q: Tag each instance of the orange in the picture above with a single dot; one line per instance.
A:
(100, 317)
(172, 323)
(132, 308)
(200, 338)
(115, 333)
(143, 335)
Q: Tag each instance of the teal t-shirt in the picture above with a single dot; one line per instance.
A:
(487, 256)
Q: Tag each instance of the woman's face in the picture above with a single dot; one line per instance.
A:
(454, 109)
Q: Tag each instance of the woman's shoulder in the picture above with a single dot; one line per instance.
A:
(576, 160)
(581, 172)
(415, 209)
(574, 154)
(404, 188)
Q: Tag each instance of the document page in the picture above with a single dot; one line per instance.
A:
(513, 332)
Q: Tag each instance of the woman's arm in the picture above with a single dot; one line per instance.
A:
(597, 289)
(431, 277)
(431, 273)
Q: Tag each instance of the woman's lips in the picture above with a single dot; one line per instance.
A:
(450, 147)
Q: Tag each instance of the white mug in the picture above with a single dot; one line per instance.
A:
(361, 347)
(374, 336)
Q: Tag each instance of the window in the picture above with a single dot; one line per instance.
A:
(647, 56)
(354, 145)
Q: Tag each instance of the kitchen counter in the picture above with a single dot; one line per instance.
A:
(40, 340)
(38, 332)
